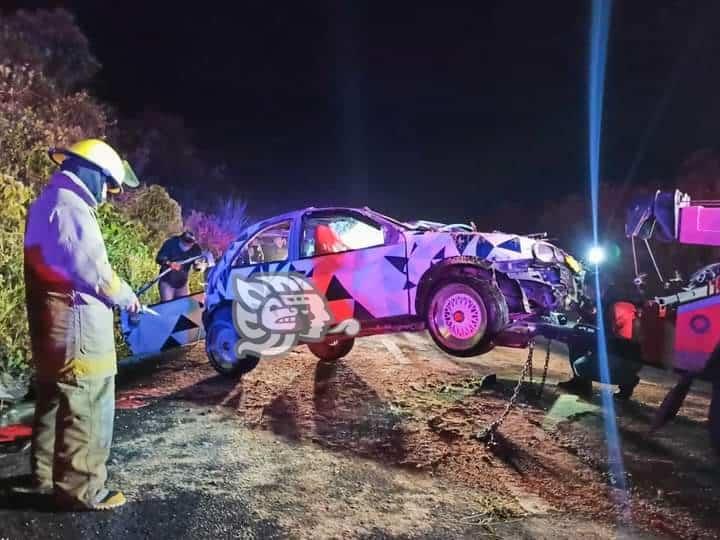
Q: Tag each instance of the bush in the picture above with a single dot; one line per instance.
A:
(231, 215)
(132, 247)
(209, 232)
(14, 340)
(160, 213)
(45, 59)
(131, 256)
(31, 122)
(130, 253)
(216, 230)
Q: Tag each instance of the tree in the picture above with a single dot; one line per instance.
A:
(50, 42)
(44, 55)
(160, 145)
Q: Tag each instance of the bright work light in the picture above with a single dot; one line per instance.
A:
(596, 255)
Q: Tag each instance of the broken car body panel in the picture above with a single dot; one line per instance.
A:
(165, 325)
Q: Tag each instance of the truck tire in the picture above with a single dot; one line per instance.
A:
(331, 349)
(464, 313)
(714, 417)
(220, 343)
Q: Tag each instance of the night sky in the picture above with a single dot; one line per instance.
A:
(420, 109)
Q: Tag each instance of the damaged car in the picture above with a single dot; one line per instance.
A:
(464, 286)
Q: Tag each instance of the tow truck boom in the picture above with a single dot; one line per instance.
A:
(681, 330)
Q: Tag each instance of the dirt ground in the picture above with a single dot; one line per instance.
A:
(382, 444)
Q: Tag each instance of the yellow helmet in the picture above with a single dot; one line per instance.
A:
(102, 155)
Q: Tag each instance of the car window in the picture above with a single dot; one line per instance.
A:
(323, 235)
(269, 245)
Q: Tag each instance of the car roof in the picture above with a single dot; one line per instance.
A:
(299, 212)
(256, 226)
(252, 229)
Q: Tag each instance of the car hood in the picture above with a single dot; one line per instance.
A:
(496, 246)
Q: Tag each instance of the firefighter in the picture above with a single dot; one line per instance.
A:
(70, 292)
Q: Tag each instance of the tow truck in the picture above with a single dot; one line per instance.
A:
(680, 328)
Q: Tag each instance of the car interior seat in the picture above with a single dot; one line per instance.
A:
(327, 241)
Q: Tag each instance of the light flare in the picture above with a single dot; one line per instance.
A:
(599, 30)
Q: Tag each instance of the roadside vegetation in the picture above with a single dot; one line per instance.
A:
(46, 65)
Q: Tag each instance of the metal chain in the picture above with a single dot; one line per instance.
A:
(488, 434)
(545, 369)
(530, 371)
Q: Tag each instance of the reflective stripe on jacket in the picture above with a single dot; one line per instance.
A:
(70, 285)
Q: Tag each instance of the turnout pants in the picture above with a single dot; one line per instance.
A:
(72, 436)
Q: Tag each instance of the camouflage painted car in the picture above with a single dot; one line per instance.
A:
(465, 287)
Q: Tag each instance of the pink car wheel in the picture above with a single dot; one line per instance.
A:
(464, 313)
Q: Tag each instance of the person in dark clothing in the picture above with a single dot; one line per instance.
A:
(174, 284)
(623, 354)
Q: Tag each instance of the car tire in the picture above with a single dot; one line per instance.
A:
(220, 340)
(714, 417)
(464, 313)
(331, 349)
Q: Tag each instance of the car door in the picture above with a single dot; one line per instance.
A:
(357, 262)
